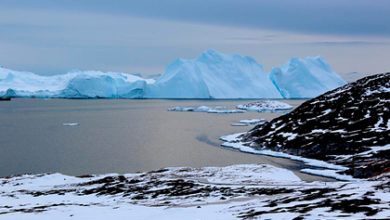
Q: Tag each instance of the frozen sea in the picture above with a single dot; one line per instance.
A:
(78, 137)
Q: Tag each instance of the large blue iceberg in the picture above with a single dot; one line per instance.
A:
(212, 75)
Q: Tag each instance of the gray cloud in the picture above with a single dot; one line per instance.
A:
(53, 36)
(350, 43)
(346, 17)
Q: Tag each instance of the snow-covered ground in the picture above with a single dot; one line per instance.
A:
(235, 192)
(212, 75)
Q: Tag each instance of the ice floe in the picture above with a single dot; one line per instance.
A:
(218, 109)
(70, 124)
(248, 122)
(266, 106)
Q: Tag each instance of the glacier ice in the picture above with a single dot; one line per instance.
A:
(306, 78)
(212, 75)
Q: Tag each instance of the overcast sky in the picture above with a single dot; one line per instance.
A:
(53, 36)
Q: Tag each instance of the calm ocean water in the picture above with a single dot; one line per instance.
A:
(120, 136)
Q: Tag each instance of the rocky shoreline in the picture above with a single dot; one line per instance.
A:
(341, 126)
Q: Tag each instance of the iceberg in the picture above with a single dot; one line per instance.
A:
(75, 84)
(214, 75)
(306, 78)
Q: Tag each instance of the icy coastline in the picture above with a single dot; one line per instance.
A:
(327, 169)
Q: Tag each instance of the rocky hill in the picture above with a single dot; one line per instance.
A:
(348, 126)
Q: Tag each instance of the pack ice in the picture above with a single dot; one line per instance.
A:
(212, 75)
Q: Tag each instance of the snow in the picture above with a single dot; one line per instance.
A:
(323, 131)
(377, 126)
(218, 109)
(232, 192)
(305, 78)
(214, 75)
(234, 141)
(290, 136)
(265, 106)
(95, 212)
(239, 174)
(328, 173)
(374, 150)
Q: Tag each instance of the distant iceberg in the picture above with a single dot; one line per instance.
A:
(75, 84)
(306, 78)
(212, 75)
